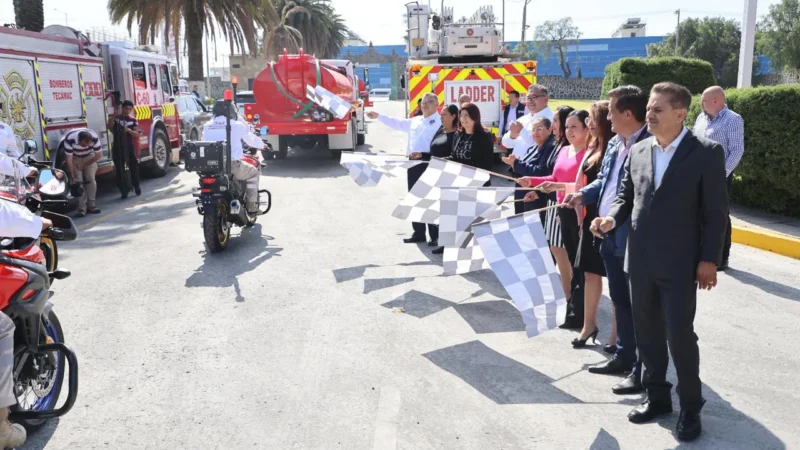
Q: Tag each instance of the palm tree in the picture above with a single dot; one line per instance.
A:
(310, 24)
(235, 20)
(29, 14)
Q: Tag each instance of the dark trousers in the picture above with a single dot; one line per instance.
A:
(570, 234)
(419, 228)
(663, 311)
(121, 159)
(726, 249)
(619, 288)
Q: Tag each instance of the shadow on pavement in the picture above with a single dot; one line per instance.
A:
(305, 163)
(604, 441)
(770, 287)
(498, 377)
(495, 316)
(376, 284)
(244, 254)
(724, 427)
(419, 304)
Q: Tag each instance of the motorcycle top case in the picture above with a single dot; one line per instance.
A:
(205, 157)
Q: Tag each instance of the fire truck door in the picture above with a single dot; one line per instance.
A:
(156, 96)
(95, 104)
(19, 105)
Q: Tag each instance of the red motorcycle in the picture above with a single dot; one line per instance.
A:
(41, 358)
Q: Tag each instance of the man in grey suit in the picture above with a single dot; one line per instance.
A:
(674, 192)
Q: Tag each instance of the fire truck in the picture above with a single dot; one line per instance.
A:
(294, 120)
(58, 80)
(453, 59)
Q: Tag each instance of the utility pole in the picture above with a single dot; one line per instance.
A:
(748, 44)
(677, 32)
(524, 22)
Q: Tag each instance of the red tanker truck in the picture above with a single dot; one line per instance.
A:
(294, 120)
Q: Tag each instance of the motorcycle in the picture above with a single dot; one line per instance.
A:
(221, 200)
(39, 349)
(55, 202)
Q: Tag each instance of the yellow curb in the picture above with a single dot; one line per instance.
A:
(771, 242)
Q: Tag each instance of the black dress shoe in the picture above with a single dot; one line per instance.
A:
(414, 239)
(572, 323)
(433, 243)
(613, 366)
(610, 349)
(438, 251)
(630, 385)
(648, 411)
(689, 427)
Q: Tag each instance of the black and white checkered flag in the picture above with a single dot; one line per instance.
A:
(326, 99)
(422, 203)
(462, 207)
(517, 251)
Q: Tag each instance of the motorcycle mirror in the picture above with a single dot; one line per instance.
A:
(52, 182)
(30, 147)
(264, 130)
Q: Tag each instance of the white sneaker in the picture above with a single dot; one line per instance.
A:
(12, 435)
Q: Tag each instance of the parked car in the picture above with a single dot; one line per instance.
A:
(194, 114)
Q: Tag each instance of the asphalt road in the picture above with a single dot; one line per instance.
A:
(289, 338)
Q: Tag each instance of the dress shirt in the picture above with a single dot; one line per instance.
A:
(8, 141)
(612, 182)
(662, 156)
(512, 116)
(727, 129)
(17, 221)
(420, 130)
(524, 141)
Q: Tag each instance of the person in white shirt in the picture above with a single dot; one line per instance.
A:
(8, 141)
(421, 130)
(519, 137)
(215, 131)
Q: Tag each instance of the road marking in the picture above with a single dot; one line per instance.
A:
(105, 217)
(386, 422)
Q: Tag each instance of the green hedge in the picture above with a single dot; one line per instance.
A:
(767, 176)
(695, 74)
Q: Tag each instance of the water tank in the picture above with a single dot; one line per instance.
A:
(291, 75)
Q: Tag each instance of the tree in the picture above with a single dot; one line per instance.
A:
(557, 36)
(323, 32)
(715, 40)
(235, 20)
(526, 50)
(283, 35)
(29, 14)
(779, 36)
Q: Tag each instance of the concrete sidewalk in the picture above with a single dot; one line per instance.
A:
(769, 232)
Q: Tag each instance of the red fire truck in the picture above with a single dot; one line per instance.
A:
(58, 80)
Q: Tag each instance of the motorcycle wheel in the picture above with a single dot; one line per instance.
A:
(216, 229)
(40, 380)
(50, 250)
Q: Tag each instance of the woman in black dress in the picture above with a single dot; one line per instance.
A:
(588, 259)
(442, 147)
(473, 145)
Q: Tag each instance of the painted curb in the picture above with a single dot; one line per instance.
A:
(771, 242)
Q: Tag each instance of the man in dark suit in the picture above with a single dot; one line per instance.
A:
(513, 111)
(627, 110)
(674, 192)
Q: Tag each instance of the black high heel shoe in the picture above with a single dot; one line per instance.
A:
(580, 343)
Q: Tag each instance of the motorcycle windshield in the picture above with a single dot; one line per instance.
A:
(13, 187)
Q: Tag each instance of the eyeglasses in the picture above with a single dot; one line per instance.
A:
(534, 97)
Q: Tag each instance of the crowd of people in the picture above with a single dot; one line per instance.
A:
(634, 196)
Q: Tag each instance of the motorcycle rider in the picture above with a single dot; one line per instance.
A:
(15, 221)
(214, 131)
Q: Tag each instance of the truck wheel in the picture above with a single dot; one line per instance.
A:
(160, 163)
(283, 148)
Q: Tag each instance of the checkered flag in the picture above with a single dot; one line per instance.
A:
(466, 255)
(422, 204)
(462, 207)
(326, 99)
(378, 162)
(517, 250)
(364, 174)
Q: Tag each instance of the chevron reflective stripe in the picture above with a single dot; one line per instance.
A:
(41, 108)
(168, 110)
(83, 93)
(143, 112)
(515, 77)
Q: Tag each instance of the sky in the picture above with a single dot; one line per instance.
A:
(381, 21)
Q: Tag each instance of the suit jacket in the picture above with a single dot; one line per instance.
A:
(595, 190)
(681, 223)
